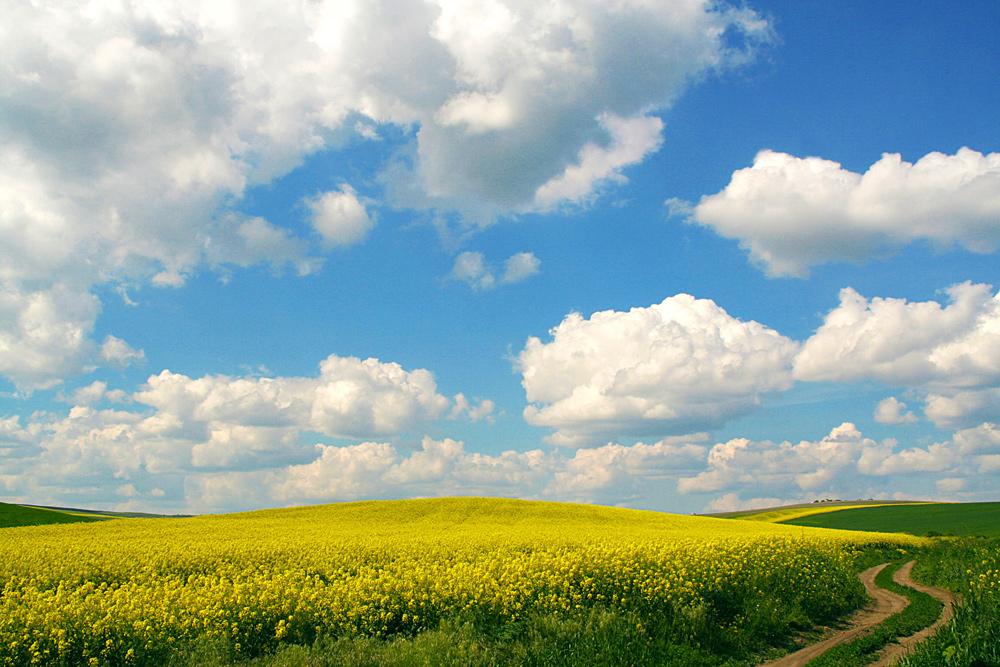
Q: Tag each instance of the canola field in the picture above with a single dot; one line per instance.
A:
(129, 591)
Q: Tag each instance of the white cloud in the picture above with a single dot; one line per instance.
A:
(847, 465)
(680, 366)
(520, 266)
(952, 352)
(472, 268)
(88, 395)
(182, 429)
(900, 342)
(950, 484)
(340, 218)
(884, 461)
(117, 352)
(474, 413)
(350, 398)
(631, 141)
(785, 469)
(731, 502)
(131, 133)
(184, 425)
(794, 213)
(616, 472)
(960, 408)
(44, 333)
(891, 411)
(610, 474)
(553, 98)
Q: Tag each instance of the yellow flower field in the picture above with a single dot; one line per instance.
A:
(125, 592)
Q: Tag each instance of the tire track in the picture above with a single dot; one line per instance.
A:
(905, 644)
(885, 604)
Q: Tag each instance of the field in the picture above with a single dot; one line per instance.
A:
(935, 519)
(18, 515)
(965, 559)
(544, 582)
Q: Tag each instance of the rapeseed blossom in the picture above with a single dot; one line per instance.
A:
(126, 592)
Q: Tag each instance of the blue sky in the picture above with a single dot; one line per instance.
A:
(670, 255)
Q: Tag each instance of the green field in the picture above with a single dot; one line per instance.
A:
(19, 515)
(936, 518)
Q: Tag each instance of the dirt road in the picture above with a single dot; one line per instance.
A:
(947, 598)
(885, 604)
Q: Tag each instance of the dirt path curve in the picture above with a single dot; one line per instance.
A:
(885, 605)
(906, 644)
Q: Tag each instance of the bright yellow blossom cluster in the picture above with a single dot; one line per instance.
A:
(126, 592)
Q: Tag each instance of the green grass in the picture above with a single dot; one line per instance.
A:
(971, 568)
(599, 638)
(19, 515)
(921, 612)
(934, 519)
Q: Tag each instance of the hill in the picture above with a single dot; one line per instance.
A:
(22, 515)
(915, 519)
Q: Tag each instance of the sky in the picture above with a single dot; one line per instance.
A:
(673, 255)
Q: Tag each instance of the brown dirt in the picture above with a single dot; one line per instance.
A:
(902, 577)
(885, 604)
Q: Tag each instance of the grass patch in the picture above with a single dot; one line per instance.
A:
(971, 568)
(599, 638)
(921, 612)
(19, 515)
(786, 514)
(933, 519)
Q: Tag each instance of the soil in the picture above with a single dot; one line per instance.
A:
(885, 604)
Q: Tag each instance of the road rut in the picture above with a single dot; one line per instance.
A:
(885, 604)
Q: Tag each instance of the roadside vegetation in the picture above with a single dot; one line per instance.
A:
(970, 567)
(921, 612)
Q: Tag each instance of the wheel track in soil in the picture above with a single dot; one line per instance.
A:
(886, 603)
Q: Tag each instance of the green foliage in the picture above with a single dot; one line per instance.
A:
(599, 638)
(971, 568)
(19, 515)
(918, 519)
(921, 612)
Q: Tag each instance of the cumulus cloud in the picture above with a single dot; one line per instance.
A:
(520, 266)
(845, 464)
(88, 395)
(472, 268)
(117, 352)
(130, 134)
(462, 406)
(611, 474)
(340, 218)
(631, 140)
(788, 470)
(180, 428)
(892, 411)
(350, 398)
(793, 213)
(44, 333)
(680, 366)
(963, 408)
(952, 352)
(731, 502)
(900, 342)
